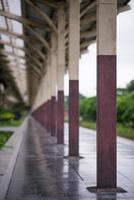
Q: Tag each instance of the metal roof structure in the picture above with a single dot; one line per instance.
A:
(24, 50)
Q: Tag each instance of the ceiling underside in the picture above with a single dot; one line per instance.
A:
(26, 32)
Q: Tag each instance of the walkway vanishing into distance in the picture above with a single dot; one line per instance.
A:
(43, 173)
(55, 34)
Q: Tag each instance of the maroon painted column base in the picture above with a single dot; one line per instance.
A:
(46, 115)
(38, 114)
(49, 116)
(53, 116)
(51, 113)
(106, 122)
(60, 118)
(73, 118)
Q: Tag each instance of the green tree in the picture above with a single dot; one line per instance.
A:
(88, 108)
(125, 109)
(130, 86)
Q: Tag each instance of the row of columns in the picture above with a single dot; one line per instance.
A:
(52, 87)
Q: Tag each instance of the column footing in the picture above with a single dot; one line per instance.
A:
(106, 190)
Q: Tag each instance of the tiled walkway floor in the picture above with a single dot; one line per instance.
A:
(41, 172)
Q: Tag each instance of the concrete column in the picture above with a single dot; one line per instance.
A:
(61, 71)
(74, 52)
(54, 80)
(44, 96)
(44, 100)
(49, 113)
(38, 109)
(106, 93)
(46, 106)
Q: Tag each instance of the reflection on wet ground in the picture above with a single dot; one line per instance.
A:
(42, 172)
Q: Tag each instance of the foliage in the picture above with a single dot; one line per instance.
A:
(66, 100)
(130, 86)
(8, 81)
(13, 116)
(125, 131)
(18, 109)
(7, 116)
(121, 91)
(125, 108)
(4, 136)
(88, 108)
(81, 96)
(3, 109)
(10, 117)
(88, 124)
(13, 122)
(125, 111)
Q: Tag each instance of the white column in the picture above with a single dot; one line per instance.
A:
(61, 48)
(53, 81)
(74, 52)
(74, 39)
(53, 63)
(60, 75)
(106, 93)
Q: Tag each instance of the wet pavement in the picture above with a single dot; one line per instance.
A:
(42, 172)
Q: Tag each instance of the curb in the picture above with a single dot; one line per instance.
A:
(8, 157)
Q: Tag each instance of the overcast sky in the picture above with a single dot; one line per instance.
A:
(125, 57)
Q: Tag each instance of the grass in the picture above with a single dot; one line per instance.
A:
(11, 122)
(4, 136)
(122, 130)
(88, 124)
(125, 131)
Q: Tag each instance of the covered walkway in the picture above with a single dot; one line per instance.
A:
(43, 173)
(54, 35)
